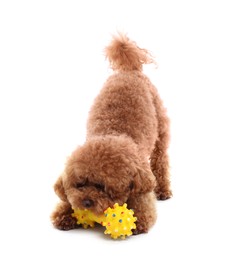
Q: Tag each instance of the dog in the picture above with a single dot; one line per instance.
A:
(124, 158)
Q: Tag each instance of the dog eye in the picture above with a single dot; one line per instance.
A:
(99, 186)
(79, 185)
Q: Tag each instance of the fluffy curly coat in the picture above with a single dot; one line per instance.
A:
(124, 158)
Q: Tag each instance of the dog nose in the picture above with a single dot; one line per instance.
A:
(87, 203)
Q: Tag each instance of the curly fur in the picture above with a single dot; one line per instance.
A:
(127, 126)
(126, 55)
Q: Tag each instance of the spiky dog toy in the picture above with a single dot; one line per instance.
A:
(119, 220)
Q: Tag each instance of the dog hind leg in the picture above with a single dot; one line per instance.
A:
(159, 160)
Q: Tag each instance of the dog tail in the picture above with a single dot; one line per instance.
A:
(125, 55)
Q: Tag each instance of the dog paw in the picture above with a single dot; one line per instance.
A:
(165, 195)
(140, 228)
(66, 222)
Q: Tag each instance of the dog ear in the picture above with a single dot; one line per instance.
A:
(144, 181)
(59, 189)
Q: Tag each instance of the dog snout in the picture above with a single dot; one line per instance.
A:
(87, 203)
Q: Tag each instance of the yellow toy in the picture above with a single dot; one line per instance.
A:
(119, 221)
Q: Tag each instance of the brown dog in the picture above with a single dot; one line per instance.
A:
(127, 126)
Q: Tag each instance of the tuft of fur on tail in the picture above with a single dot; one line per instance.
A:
(125, 55)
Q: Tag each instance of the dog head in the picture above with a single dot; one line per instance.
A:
(104, 171)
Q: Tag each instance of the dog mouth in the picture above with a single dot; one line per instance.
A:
(95, 206)
(96, 203)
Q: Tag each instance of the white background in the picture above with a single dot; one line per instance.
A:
(51, 68)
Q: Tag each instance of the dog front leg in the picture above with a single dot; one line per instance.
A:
(145, 211)
(62, 217)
